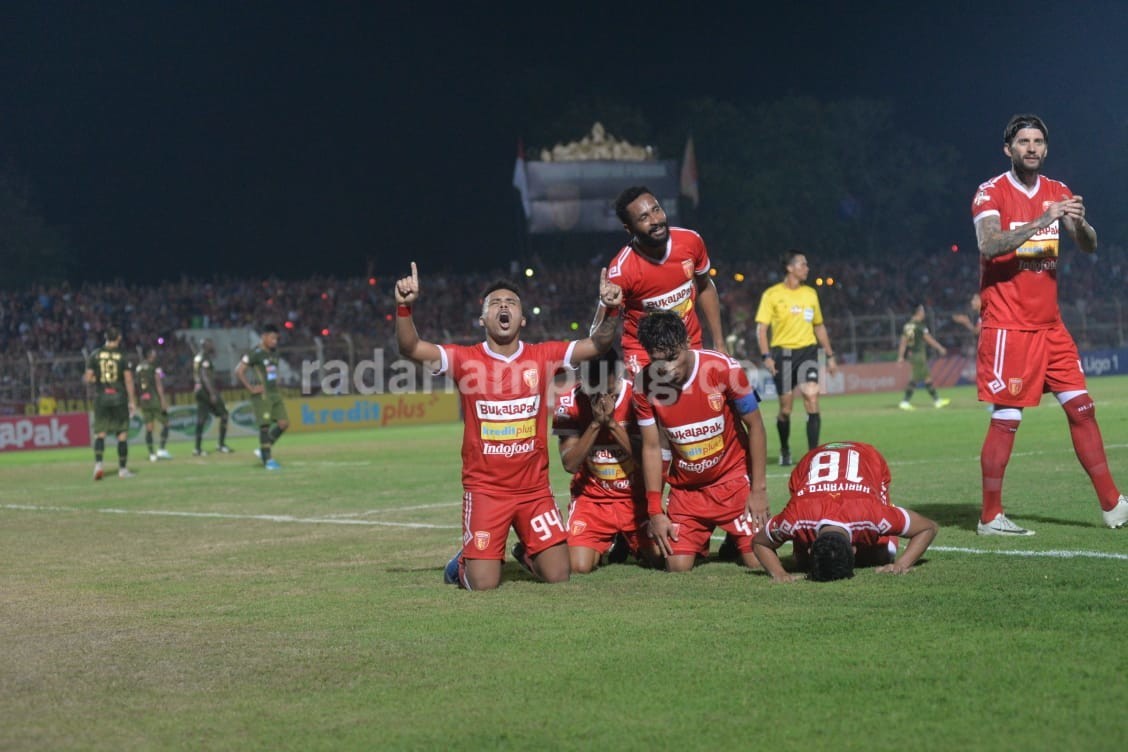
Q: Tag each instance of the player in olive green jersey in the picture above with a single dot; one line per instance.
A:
(110, 372)
(266, 399)
(149, 380)
(915, 340)
(208, 398)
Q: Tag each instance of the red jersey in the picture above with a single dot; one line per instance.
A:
(505, 403)
(667, 284)
(845, 484)
(609, 472)
(1019, 289)
(701, 420)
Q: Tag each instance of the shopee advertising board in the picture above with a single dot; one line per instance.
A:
(44, 431)
(372, 411)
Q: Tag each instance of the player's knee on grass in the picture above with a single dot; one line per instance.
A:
(483, 574)
(552, 564)
(584, 560)
(680, 562)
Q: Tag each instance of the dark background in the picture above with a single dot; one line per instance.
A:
(337, 138)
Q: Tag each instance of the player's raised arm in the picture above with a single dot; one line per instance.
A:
(407, 338)
(603, 330)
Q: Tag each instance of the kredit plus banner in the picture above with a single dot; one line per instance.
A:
(373, 411)
(44, 432)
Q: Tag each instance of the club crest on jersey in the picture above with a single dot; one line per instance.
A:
(1014, 386)
(578, 527)
(531, 378)
(716, 401)
(482, 539)
(687, 267)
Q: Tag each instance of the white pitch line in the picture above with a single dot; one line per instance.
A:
(1043, 554)
(286, 518)
(346, 515)
(225, 516)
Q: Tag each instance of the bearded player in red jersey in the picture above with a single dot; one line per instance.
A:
(662, 268)
(1024, 347)
(505, 387)
(839, 516)
(702, 403)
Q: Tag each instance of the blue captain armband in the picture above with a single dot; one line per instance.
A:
(747, 403)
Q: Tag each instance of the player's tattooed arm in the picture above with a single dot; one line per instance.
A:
(993, 242)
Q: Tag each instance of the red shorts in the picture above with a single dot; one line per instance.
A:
(1016, 367)
(594, 524)
(699, 511)
(486, 521)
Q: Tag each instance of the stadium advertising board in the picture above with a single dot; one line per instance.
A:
(44, 432)
(373, 411)
(1104, 362)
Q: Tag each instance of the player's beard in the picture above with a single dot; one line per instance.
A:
(652, 242)
(1022, 167)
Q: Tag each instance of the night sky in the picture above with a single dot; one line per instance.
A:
(318, 137)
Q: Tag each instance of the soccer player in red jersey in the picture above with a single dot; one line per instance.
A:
(505, 386)
(599, 444)
(839, 516)
(662, 268)
(702, 403)
(1024, 347)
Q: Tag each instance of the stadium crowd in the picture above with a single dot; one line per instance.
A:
(55, 322)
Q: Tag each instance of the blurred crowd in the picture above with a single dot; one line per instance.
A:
(65, 320)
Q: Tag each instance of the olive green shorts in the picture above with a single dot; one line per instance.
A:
(269, 408)
(111, 419)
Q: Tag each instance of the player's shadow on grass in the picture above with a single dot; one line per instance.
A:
(1039, 519)
(962, 516)
(966, 516)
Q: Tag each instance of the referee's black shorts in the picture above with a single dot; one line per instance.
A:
(795, 367)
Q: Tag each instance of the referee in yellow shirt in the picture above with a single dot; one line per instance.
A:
(791, 311)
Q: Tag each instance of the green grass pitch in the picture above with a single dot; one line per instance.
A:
(207, 604)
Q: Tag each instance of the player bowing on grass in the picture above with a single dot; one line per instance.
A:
(839, 516)
(701, 401)
(505, 387)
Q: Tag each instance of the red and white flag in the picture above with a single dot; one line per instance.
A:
(688, 184)
(520, 179)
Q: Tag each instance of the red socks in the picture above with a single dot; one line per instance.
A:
(1087, 443)
(993, 460)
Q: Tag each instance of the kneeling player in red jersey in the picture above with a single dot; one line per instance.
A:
(599, 444)
(703, 404)
(504, 385)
